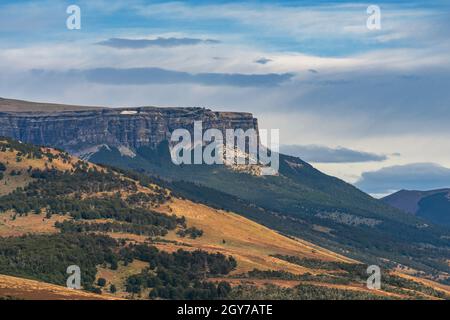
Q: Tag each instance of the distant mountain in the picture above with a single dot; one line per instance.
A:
(433, 205)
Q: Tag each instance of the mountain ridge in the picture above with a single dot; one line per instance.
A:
(81, 131)
(432, 205)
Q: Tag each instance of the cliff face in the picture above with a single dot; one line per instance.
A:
(130, 128)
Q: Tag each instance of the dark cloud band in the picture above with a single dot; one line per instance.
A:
(417, 176)
(143, 76)
(123, 43)
(322, 154)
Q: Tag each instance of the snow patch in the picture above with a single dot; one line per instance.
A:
(125, 151)
(87, 153)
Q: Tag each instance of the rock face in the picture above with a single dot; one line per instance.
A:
(128, 128)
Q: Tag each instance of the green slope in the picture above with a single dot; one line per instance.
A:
(304, 202)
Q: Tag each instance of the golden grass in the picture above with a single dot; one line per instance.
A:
(35, 290)
(33, 223)
(10, 183)
(260, 283)
(249, 242)
(435, 285)
(118, 277)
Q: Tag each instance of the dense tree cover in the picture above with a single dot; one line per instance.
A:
(81, 180)
(301, 292)
(123, 227)
(356, 273)
(61, 193)
(197, 291)
(140, 198)
(179, 275)
(192, 232)
(346, 273)
(46, 257)
(2, 170)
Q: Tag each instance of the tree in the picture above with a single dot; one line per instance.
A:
(113, 289)
(101, 282)
(223, 289)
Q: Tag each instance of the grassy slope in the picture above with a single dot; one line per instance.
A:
(252, 244)
(19, 288)
(292, 202)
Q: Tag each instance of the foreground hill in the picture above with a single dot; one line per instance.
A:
(134, 238)
(433, 205)
(13, 288)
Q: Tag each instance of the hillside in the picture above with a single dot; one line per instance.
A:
(13, 288)
(433, 205)
(301, 202)
(129, 233)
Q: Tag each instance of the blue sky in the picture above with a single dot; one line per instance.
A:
(357, 103)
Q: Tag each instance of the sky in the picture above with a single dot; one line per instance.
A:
(369, 106)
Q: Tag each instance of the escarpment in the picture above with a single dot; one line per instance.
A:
(81, 130)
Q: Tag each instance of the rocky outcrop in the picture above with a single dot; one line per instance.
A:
(126, 128)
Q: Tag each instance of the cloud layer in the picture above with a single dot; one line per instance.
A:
(330, 81)
(149, 76)
(323, 154)
(417, 176)
(122, 43)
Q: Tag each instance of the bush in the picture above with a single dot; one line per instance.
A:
(101, 282)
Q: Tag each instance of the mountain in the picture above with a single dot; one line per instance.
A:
(300, 201)
(133, 237)
(83, 131)
(433, 205)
